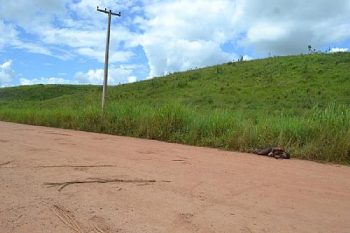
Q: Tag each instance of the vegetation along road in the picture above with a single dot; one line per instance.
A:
(57, 180)
(300, 103)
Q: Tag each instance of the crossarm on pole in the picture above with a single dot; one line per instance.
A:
(108, 12)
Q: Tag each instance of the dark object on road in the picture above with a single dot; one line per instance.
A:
(275, 152)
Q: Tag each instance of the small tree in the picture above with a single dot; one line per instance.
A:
(309, 48)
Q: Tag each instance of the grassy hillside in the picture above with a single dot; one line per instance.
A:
(297, 102)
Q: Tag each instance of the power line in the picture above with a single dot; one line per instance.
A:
(105, 80)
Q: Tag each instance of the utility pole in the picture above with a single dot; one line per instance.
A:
(105, 80)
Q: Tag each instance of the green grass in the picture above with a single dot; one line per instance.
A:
(298, 102)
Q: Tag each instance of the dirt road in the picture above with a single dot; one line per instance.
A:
(135, 185)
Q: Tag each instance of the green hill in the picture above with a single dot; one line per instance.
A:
(298, 102)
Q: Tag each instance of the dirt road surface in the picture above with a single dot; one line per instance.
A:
(135, 185)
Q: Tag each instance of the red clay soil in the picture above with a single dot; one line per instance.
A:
(55, 180)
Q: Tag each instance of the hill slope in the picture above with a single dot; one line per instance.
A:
(298, 102)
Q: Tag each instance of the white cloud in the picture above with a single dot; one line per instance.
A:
(90, 77)
(132, 79)
(339, 50)
(116, 75)
(6, 73)
(247, 58)
(10, 37)
(174, 34)
(32, 47)
(8, 33)
(32, 15)
(179, 55)
(45, 80)
(263, 31)
(182, 34)
(288, 27)
(60, 25)
(179, 35)
(115, 56)
(7, 76)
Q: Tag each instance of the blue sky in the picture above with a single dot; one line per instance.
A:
(63, 41)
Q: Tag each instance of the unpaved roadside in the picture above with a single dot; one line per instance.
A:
(135, 185)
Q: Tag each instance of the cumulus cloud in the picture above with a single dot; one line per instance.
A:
(174, 35)
(116, 75)
(339, 50)
(32, 15)
(115, 56)
(60, 25)
(44, 80)
(179, 35)
(8, 33)
(6, 73)
(10, 37)
(132, 79)
(288, 27)
(172, 30)
(182, 55)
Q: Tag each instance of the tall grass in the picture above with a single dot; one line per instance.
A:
(318, 134)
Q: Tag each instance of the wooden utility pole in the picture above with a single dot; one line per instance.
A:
(105, 80)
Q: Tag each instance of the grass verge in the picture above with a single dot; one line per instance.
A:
(318, 134)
